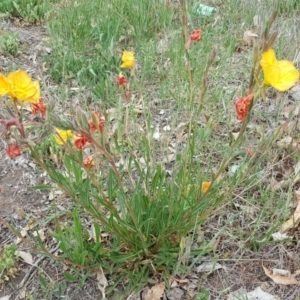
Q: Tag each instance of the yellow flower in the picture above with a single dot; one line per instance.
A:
(4, 85)
(128, 60)
(281, 74)
(62, 136)
(205, 186)
(19, 85)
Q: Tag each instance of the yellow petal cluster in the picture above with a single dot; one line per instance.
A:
(19, 85)
(62, 136)
(128, 60)
(280, 74)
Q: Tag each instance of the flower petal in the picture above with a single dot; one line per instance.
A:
(289, 76)
(128, 60)
(4, 85)
(61, 136)
(20, 79)
(268, 58)
(23, 88)
(282, 74)
(271, 74)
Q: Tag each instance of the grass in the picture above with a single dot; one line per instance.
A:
(29, 11)
(86, 53)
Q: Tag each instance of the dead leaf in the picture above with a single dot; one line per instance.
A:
(281, 279)
(5, 297)
(249, 37)
(235, 135)
(287, 142)
(21, 212)
(209, 267)
(175, 293)
(169, 158)
(281, 272)
(293, 220)
(55, 193)
(277, 236)
(41, 234)
(23, 233)
(257, 294)
(238, 294)
(180, 130)
(275, 185)
(31, 224)
(102, 282)
(27, 257)
(182, 281)
(155, 293)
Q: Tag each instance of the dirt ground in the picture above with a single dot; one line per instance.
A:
(19, 203)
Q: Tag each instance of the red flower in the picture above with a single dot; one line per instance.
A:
(39, 107)
(101, 122)
(88, 162)
(13, 150)
(242, 107)
(80, 141)
(122, 79)
(196, 35)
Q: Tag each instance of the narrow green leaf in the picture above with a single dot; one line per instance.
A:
(42, 187)
(43, 281)
(70, 277)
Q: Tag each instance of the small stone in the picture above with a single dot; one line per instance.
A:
(48, 50)
(17, 217)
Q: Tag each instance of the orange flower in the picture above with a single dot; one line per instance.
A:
(101, 122)
(196, 35)
(13, 150)
(39, 107)
(122, 79)
(205, 186)
(88, 162)
(242, 107)
(80, 141)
